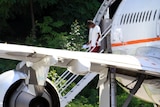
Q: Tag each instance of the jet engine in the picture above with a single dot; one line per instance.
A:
(14, 92)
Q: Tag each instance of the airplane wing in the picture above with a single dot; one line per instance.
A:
(81, 62)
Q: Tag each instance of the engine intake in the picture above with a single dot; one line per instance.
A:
(19, 96)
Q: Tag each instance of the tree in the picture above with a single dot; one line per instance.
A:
(18, 17)
(77, 36)
(50, 36)
(33, 31)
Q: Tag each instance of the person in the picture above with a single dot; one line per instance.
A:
(94, 36)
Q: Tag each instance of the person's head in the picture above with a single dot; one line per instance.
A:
(90, 24)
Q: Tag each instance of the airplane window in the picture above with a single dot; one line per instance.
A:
(137, 17)
(134, 17)
(124, 19)
(131, 17)
(128, 19)
(154, 15)
(147, 15)
(150, 16)
(143, 16)
(140, 17)
(121, 19)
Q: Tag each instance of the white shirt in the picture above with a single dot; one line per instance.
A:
(93, 35)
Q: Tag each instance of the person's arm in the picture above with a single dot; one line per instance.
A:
(98, 38)
(89, 42)
(89, 37)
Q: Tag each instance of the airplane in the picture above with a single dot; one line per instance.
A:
(134, 62)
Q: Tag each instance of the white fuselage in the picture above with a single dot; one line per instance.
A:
(136, 31)
(135, 24)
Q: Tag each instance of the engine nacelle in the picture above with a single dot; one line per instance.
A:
(15, 93)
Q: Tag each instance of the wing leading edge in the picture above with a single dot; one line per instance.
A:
(81, 62)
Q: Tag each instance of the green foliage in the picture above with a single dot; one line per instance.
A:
(70, 10)
(48, 25)
(83, 102)
(122, 96)
(77, 36)
(30, 40)
(88, 97)
(50, 36)
(7, 65)
(9, 6)
(5, 6)
(52, 75)
(45, 3)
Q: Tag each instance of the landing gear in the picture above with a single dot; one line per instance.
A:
(134, 90)
(113, 87)
(155, 105)
(107, 85)
(108, 89)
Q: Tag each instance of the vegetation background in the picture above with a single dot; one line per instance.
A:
(57, 24)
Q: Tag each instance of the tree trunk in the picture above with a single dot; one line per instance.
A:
(33, 30)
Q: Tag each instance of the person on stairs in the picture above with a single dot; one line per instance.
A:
(94, 37)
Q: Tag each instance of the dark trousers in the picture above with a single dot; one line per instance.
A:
(95, 49)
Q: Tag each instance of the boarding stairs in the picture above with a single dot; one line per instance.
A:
(102, 11)
(69, 85)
